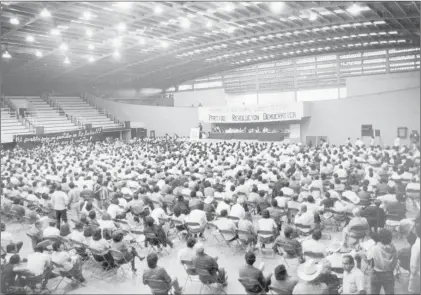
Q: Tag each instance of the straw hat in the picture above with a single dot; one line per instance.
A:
(309, 270)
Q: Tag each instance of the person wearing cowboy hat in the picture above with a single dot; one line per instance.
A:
(308, 273)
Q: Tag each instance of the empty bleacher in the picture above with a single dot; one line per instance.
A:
(10, 126)
(42, 114)
(84, 112)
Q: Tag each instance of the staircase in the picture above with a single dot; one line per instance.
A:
(84, 113)
(11, 126)
(53, 120)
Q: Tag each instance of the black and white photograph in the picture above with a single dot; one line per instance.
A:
(210, 147)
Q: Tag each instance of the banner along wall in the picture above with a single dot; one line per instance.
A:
(77, 136)
(250, 114)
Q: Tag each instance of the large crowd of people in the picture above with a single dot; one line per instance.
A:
(83, 202)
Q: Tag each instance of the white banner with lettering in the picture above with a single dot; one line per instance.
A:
(252, 113)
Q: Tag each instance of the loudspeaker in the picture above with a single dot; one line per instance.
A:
(88, 126)
(39, 130)
(377, 132)
(127, 124)
(366, 130)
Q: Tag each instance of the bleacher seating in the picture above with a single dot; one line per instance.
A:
(49, 117)
(83, 112)
(10, 126)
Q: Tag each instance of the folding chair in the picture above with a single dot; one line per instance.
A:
(250, 283)
(158, 287)
(177, 232)
(269, 234)
(227, 242)
(292, 213)
(153, 237)
(252, 207)
(64, 276)
(215, 232)
(194, 231)
(300, 229)
(99, 264)
(190, 271)
(246, 238)
(207, 280)
(119, 261)
(234, 218)
(136, 234)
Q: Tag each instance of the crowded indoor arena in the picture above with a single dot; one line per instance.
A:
(210, 147)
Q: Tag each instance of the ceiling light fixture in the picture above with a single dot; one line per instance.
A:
(38, 53)
(209, 24)
(91, 47)
(66, 61)
(141, 41)
(313, 16)
(6, 55)
(55, 32)
(157, 10)
(164, 44)
(91, 59)
(123, 5)
(87, 15)
(14, 21)
(121, 27)
(116, 54)
(30, 38)
(116, 42)
(45, 13)
(354, 9)
(276, 7)
(185, 23)
(64, 46)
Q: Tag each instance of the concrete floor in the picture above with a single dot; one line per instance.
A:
(132, 284)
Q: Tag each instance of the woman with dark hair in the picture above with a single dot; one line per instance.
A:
(283, 283)
(102, 246)
(267, 224)
(127, 253)
(68, 262)
(64, 230)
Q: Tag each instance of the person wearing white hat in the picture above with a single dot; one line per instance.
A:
(308, 272)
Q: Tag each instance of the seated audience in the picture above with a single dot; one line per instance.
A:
(126, 253)
(283, 284)
(313, 248)
(225, 224)
(67, 262)
(308, 273)
(205, 262)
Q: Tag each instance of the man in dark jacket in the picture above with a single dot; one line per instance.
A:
(375, 215)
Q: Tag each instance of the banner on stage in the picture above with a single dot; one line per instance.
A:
(194, 134)
(250, 114)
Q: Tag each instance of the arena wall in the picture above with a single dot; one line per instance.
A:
(158, 118)
(339, 119)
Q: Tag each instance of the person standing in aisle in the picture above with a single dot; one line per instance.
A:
(60, 202)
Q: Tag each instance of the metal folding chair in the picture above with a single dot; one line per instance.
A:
(228, 242)
(249, 283)
(269, 234)
(215, 232)
(193, 228)
(176, 223)
(153, 237)
(99, 264)
(208, 280)
(64, 276)
(190, 271)
(244, 238)
(119, 261)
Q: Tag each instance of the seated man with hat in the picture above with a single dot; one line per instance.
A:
(308, 272)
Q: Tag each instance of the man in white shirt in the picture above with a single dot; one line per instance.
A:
(114, 209)
(60, 202)
(198, 216)
(158, 213)
(237, 210)
(51, 230)
(38, 261)
(353, 278)
(306, 218)
(8, 242)
(225, 224)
